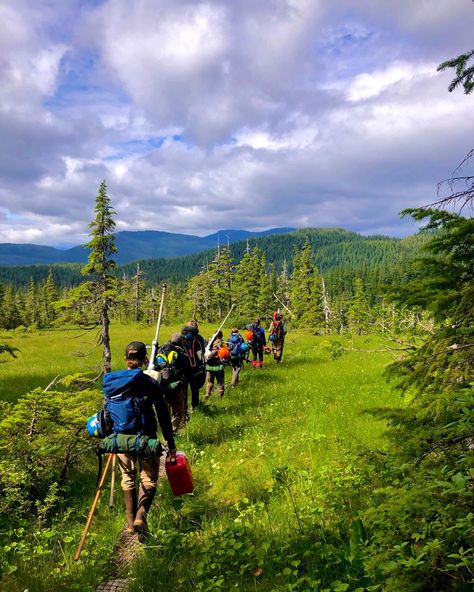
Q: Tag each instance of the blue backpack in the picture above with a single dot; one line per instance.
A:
(124, 403)
(234, 342)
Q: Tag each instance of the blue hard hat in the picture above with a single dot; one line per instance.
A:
(273, 337)
(244, 347)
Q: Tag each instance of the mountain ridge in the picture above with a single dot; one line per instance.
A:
(132, 246)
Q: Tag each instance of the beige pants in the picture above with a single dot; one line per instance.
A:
(149, 469)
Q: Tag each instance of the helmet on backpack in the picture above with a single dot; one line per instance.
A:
(223, 352)
(249, 335)
(244, 347)
(273, 337)
(161, 359)
(99, 425)
(172, 357)
(92, 426)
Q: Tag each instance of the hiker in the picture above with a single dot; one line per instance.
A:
(237, 349)
(257, 343)
(135, 398)
(194, 345)
(218, 353)
(171, 361)
(277, 333)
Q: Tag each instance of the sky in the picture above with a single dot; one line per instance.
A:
(227, 114)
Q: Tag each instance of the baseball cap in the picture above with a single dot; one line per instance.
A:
(135, 350)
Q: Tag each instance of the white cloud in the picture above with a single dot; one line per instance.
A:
(208, 114)
(369, 85)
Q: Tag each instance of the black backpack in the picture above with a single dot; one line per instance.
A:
(169, 362)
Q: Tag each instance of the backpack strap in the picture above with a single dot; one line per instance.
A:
(99, 453)
(137, 444)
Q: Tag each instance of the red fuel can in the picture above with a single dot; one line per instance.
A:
(179, 474)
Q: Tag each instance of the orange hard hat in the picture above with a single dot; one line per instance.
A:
(249, 335)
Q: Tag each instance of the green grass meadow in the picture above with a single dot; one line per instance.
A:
(45, 354)
(276, 464)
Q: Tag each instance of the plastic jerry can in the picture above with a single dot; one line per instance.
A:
(179, 474)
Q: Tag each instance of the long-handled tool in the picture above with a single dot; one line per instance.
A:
(284, 305)
(112, 482)
(207, 353)
(93, 507)
(154, 345)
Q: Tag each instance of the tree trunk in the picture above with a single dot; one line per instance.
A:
(105, 335)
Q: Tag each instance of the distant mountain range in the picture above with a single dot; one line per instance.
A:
(131, 245)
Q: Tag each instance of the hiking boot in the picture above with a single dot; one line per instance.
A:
(130, 499)
(145, 499)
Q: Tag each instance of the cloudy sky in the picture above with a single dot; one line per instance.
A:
(226, 114)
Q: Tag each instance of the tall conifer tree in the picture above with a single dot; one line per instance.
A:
(306, 290)
(98, 293)
(359, 308)
(48, 294)
(100, 264)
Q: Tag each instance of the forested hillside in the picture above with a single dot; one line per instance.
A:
(341, 254)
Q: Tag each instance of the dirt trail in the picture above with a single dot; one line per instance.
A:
(126, 551)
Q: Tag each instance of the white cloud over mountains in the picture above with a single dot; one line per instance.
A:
(204, 115)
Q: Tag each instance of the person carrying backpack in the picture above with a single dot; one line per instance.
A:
(171, 361)
(277, 333)
(257, 343)
(237, 349)
(131, 401)
(217, 355)
(194, 345)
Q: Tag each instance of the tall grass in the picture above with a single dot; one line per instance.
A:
(48, 353)
(277, 482)
(276, 464)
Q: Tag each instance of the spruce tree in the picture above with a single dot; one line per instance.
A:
(198, 302)
(359, 309)
(219, 277)
(265, 298)
(247, 285)
(48, 294)
(306, 290)
(97, 294)
(424, 515)
(31, 309)
(100, 264)
(11, 317)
